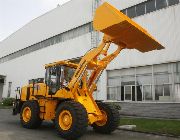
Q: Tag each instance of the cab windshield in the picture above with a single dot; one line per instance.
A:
(58, 77)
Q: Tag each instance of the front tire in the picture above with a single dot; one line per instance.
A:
(111, 121)
(71, 120)
(29, 115)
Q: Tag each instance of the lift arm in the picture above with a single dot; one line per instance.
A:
(117, 29)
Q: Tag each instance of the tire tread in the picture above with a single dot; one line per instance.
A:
(78, 128)
(35, 120)
(113, 119)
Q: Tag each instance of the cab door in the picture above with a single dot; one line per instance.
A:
(53, 75)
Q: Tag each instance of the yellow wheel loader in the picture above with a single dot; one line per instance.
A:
(66, 94)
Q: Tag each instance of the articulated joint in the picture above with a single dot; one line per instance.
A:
(107, 39)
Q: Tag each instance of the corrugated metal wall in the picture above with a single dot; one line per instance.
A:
(59, 20)
(162, 24)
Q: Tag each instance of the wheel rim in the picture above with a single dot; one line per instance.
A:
(104, 120)
(65, 120)
(26, 114)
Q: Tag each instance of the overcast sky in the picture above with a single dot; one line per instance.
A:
(16, 13)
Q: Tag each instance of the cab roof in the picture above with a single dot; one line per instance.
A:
(70, 63)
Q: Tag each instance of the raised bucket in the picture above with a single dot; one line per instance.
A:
(121, 29)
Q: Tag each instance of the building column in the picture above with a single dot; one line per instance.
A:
(1, 86)
(153, 87)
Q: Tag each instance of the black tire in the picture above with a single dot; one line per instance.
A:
(53, 122)
(79, 120)
(34, 121)
(112, 122)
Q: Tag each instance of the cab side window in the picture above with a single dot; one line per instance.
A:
(53, 79)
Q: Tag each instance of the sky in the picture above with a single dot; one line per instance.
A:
(16, 13)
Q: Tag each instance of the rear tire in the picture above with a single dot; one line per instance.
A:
(71, 120)
(29, 115)
(112, 121)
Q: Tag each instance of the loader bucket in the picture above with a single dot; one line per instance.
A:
(121, 29)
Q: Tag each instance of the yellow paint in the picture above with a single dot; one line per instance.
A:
(118, 29)
(65, 120)
(47, 109)
(104, 120)
(23, 93)
(26, 114)
(65, 62)
(121, 29)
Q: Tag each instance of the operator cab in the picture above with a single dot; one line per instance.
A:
(59, 74)
(58, 77)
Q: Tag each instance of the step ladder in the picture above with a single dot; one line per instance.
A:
(42, 110)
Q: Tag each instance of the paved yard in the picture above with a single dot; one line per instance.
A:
(10, 129)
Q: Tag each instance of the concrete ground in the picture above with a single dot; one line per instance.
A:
(10, 129)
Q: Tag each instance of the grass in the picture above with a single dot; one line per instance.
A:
(1, 104)
(171, 127)
(4, 107)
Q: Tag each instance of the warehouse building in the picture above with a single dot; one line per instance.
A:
(132, 79)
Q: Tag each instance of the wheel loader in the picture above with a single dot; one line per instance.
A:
(66, 95)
